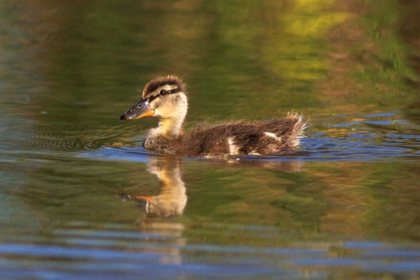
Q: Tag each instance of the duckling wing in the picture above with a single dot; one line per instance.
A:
(249, 138)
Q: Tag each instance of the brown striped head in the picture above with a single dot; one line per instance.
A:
(163, 85)
(163, 97)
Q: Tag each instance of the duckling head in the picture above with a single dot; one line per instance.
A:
(163, 97)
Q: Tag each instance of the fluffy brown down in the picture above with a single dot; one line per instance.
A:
(234, 138)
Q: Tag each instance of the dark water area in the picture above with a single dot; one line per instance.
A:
(81, 199)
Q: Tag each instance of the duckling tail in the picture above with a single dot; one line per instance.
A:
(298, 128)
(290, 129)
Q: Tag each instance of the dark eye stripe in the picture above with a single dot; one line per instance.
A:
(151, 98)
(176, 90)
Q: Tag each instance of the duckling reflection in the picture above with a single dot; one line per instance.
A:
(172, 199)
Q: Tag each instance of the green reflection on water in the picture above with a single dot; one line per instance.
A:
(315, 200)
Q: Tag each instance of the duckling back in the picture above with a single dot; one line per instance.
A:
(247, 138)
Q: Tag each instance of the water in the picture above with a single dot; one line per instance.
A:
(80, 197)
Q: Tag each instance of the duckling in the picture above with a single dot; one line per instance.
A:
(166, 98)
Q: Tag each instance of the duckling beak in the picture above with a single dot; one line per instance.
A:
(140, 110)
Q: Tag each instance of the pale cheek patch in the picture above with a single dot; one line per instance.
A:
(155, 104)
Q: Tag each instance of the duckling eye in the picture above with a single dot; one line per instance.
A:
(162, 92)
